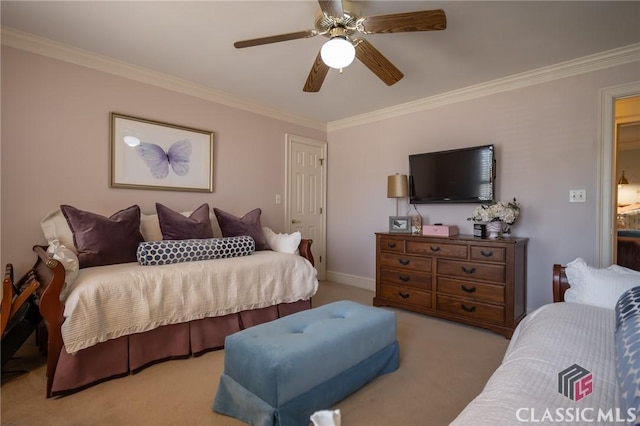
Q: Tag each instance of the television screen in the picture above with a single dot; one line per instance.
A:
(457, 176)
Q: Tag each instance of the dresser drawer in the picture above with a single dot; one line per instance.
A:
(401, 261)
(471, 309)
(490, 254)
(481, 292)
(406, 295)
(392, 244)
(471, 270)
(457, 251)
(406, 278)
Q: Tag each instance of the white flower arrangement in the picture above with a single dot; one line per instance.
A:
(506, 212)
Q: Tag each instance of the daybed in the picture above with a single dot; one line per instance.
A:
(116, 319)
(569, 362)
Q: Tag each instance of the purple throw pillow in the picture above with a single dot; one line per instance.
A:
(175, 226)
(102, 240)
(249, 224)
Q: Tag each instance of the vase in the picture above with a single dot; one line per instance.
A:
(494, 230)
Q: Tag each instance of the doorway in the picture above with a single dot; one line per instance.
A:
(627, 177)
(607, 170)
(306, 194)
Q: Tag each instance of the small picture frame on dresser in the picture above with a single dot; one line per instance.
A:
(400, 224)
(480, 230)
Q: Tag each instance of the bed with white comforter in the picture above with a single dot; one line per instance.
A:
(576, 361)
(107, 302)
(549, 340)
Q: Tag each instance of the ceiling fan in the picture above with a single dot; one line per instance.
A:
(340, 25)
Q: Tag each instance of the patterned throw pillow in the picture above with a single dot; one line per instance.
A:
(627, 347)
(165, 252)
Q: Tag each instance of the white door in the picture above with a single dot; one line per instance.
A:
(305, 197)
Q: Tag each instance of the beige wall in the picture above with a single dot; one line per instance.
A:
(55, 148)
(547, 142)
(55, 120)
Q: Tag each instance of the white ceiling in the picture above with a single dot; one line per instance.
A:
(193, 41)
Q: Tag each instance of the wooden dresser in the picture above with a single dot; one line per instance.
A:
(474, 281)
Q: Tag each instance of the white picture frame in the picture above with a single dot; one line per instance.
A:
(400, 224)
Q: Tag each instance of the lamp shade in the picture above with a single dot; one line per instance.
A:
(623, 180)
(338, 52)
(397, 186)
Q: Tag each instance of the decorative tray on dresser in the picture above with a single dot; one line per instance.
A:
(474, 281)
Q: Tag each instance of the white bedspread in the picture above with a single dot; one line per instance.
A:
(106, 302)
(525, 386)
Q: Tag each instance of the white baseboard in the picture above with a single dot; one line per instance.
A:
(353, 280)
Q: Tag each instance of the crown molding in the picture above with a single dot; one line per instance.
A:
(28, 42)
(45, 47)
(598, 61)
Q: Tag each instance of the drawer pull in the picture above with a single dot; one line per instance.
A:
(434, 249)
(404, 278)
(467, 289)
(403, 295)
(404, 262)
(464, 308)
(486, 253)
(391, 245)
(468, 271)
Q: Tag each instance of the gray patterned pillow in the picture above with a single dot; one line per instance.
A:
(627, 346)
(165, 252)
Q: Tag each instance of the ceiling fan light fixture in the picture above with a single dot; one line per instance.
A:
(338, 52)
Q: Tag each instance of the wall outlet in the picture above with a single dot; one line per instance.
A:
(578, 196)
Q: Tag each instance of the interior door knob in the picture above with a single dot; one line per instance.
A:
(295, 221)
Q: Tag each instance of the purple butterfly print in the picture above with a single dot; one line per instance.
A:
(158, 160)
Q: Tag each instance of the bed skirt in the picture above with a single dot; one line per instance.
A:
(130, 354)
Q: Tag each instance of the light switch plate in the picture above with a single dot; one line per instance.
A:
(577, 195)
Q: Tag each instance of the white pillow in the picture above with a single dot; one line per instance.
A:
(598, 287)
(150, 227)
(55, 227)
(283, 243)
(623, 270)
(70, 263)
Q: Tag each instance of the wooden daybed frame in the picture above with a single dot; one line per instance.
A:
(560, 283)
(129, 354)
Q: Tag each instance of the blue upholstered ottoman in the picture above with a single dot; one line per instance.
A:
(280, 372)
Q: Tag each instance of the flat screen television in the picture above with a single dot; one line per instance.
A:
(464, 175)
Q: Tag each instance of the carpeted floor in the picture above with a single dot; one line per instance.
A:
(443, 365)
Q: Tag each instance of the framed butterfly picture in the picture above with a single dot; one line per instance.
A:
(147, 154)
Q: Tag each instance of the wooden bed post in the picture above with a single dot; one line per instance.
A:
(52, 272)
(305, 250)
(560, 283)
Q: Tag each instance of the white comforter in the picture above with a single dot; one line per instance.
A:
(525, 387)
(106, 302)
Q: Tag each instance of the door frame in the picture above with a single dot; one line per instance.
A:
(606, 168)
(290, 139)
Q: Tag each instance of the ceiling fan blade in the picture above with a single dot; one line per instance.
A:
(316, 75)
(376, 62)
(332, 7)
(275, 39)
(426, 20)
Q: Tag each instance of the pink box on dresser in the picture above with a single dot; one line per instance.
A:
(439, 230)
